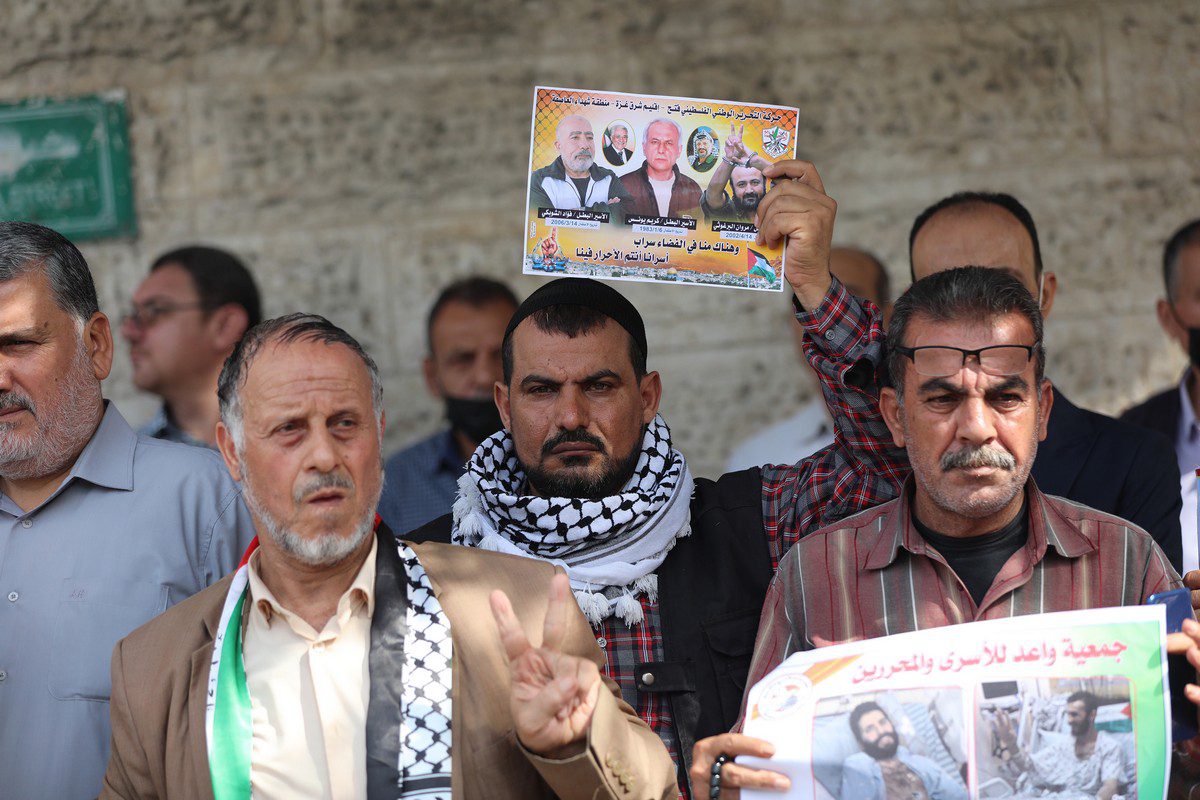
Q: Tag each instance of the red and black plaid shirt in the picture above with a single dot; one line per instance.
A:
(856, 472)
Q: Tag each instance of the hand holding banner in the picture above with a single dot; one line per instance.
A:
(1068, 705)
(641, 187)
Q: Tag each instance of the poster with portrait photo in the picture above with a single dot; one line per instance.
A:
(619, 144)
(652, 188)
(703, 148)
(979, 710)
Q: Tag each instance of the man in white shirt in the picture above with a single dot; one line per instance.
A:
(658, 188)
(810, 428)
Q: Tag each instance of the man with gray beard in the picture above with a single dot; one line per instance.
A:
(100, 529)
(574, 181)
(971, 537)
(340, 663)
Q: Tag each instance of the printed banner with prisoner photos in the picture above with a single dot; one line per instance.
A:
(626, 187)
(981, 710)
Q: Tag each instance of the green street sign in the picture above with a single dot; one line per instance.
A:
(65, 164)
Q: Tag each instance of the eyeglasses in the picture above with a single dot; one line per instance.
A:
(145, 316)
(942, 361)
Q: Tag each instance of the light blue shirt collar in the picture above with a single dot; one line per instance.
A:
(1187, 436)
(106, 460)
(1187, 417)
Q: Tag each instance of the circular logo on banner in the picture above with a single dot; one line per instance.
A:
(784, 696)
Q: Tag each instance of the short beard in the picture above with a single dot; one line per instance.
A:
(581, 162)
(746, 204)
(322, 550)
(584, 487)
(881, 753)
(65, 422)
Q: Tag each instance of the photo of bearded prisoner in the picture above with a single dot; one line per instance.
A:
(890, 745)
(741, 171)
(1063, 738)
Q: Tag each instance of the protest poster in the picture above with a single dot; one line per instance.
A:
(981, 710)
(652, 188)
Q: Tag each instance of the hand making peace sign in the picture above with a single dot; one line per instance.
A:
(553, 694)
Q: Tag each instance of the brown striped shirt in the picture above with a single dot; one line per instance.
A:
(873, 574)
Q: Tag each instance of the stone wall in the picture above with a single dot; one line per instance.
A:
(360, 153)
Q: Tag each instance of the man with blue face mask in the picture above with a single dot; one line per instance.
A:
(1173, 412)
(1087, 457)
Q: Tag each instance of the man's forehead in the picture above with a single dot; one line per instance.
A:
(27, 302)
(457, 320)
(294, 368)
(969, 333)
(981, 235)
(663, 129)
(169, 281)
(563, 358)
(573, 127)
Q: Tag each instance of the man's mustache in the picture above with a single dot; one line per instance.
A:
(10, 401)
(577, 435)
(329, 480)
(974, 457)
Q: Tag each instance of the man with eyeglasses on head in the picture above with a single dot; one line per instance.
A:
(1086, 457)
(186, 317)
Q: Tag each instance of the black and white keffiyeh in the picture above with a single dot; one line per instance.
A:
(610, 548)
(426, 712)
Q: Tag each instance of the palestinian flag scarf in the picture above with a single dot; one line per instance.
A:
(426, 712)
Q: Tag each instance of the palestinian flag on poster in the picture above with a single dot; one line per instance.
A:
(758, 266)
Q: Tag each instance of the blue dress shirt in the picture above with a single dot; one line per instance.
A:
(421, 482)
(138, 525)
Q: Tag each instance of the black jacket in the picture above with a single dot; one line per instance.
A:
(1160, 413)
(1113, 466)
(711, 589)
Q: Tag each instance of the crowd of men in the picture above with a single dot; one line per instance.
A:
(541, 599)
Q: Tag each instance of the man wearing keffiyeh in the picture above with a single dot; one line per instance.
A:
(671, 570)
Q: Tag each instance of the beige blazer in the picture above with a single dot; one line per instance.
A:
(160, 674)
